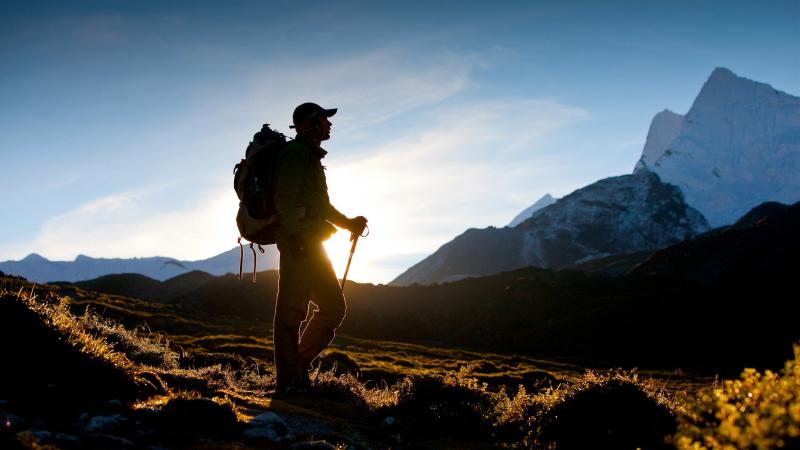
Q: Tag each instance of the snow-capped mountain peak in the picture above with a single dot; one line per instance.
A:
(737, 147)
(663, 129)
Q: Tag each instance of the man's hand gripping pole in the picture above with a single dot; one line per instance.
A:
(353, 237)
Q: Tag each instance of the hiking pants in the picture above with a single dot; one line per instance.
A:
(298, 341)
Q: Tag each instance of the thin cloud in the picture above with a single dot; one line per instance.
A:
(369, 88)
(125, 225)
(459, 168)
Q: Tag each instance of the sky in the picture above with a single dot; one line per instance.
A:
(120, 122)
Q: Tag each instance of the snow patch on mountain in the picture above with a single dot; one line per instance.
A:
(737, 147)
(546, 200)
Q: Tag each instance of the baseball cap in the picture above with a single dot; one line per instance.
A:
(309, 110)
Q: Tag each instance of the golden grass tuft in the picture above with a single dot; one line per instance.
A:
(54, 312)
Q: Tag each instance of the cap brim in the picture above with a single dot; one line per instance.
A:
(330, 112)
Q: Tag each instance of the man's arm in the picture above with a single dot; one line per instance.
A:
(290, 170)
(336, 217)
(355, 225)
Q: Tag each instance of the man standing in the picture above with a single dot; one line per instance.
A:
(305, 217)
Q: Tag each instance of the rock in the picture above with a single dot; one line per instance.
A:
(308, 426)
(114, 403)
(105, 423)
(269, 426)
(389, 422)
(43, 436)
(313, 445)
(66, 439)
(3, 403)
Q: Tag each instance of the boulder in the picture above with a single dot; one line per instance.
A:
(269, 426)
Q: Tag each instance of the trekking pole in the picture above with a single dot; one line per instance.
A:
(350, 258)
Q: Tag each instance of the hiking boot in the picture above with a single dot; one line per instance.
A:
(298, 386)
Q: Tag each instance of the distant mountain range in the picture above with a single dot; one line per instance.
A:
(738, 146)
(41, 270)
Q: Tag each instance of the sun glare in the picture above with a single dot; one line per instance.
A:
(362, 190)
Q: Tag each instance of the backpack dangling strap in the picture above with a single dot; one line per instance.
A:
(254, 262)
(241, 256)
(260, 248)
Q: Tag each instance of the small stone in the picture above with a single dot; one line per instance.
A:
(64, 438)
(43, 436)
(269, 426)
(105, 423)
(3, 403)
(389, 421)
(114, 403)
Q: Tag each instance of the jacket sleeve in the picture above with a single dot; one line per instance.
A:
(336, 217)
(290, 170)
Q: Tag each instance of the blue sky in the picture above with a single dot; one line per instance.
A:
(121, 121)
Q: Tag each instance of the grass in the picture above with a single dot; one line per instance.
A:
(436, 397)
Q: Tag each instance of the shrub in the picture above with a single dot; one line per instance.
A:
(616, 410)
(757, 411)
(452, 402)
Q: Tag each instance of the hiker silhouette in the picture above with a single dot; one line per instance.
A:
(306, 219)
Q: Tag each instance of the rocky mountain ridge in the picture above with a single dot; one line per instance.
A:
(616, 215)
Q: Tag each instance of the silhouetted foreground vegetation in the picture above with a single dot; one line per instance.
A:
(82, 381)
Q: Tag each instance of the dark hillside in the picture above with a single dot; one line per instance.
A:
(127, 284)
(40, 340)
(140, 286)
(666, 312)
(760, 251)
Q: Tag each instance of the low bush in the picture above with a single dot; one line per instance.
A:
(760, 410)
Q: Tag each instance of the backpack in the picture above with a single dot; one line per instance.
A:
(253, 182)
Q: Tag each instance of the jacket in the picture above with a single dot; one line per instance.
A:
(301, 193)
